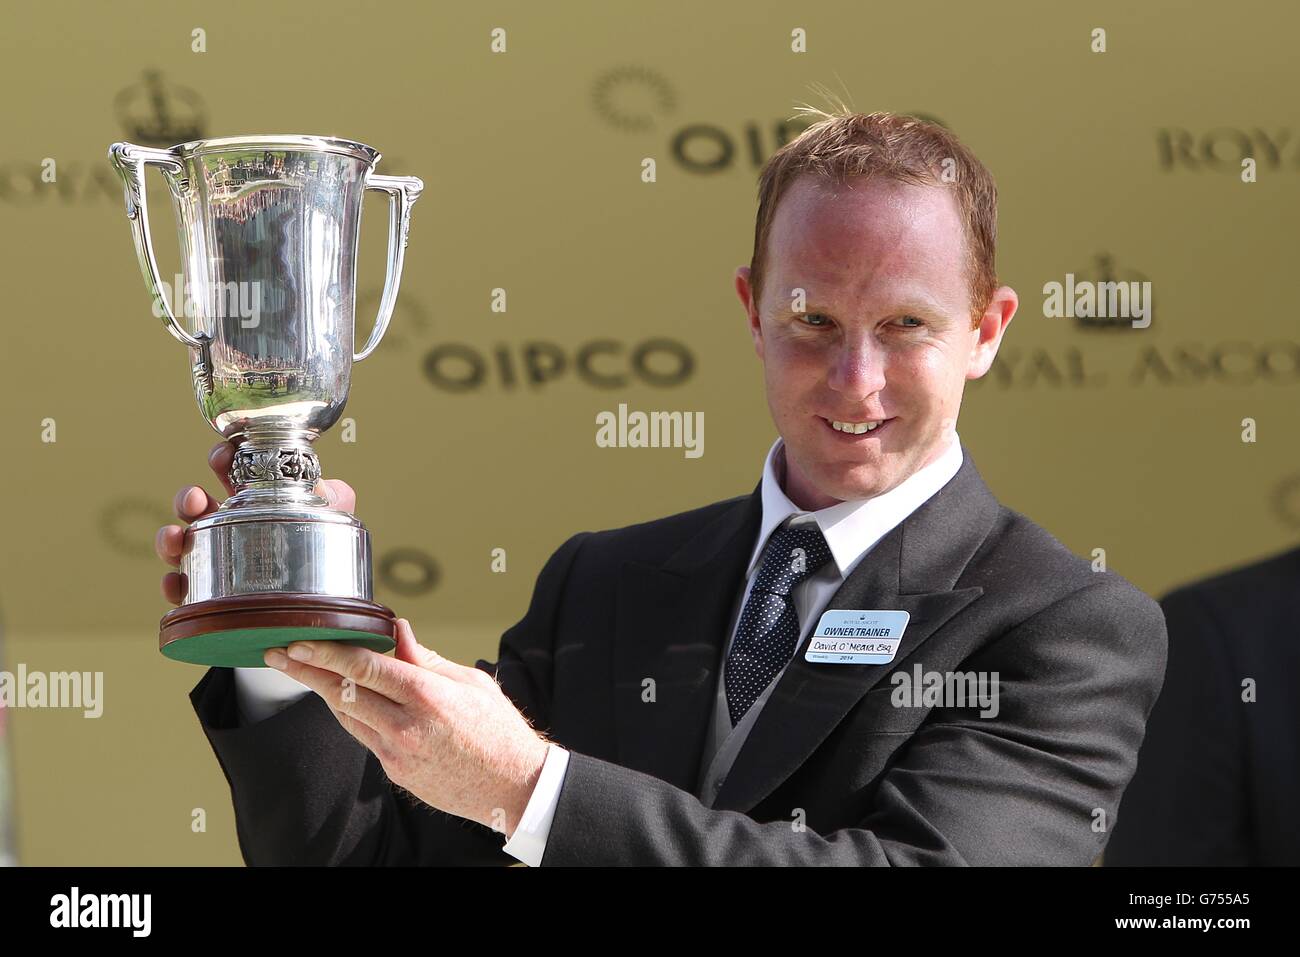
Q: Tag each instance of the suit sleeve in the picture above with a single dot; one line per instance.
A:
(307, 792)
(1037, 783)
(1187, 804)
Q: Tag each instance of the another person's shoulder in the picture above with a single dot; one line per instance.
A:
(1249, 606)
(1269, 580)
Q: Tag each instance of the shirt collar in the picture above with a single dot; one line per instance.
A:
(851, 528)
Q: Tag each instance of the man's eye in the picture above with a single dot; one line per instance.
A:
(911, 322)
(816, 319)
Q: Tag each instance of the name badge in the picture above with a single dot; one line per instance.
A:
(857, 637)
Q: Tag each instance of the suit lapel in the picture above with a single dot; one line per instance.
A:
(913, 568)
(670, 624)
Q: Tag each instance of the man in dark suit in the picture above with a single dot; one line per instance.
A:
(694, 677)
(1218, 777)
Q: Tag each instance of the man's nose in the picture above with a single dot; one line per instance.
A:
(858, 368)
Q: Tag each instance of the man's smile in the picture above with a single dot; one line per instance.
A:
(855, 430)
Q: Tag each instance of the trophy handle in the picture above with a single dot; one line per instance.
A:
(130, 161)
(402, 192)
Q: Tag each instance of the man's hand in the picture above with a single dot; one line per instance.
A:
(445, 732)
(192, 503)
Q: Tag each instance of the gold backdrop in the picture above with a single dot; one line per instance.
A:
(475, 429)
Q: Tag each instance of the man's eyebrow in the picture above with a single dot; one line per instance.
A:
(926, 306)
(922, 306)
(918, 300)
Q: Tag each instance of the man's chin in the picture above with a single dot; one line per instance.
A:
(857, 488)
(826, 480)
(849, 484)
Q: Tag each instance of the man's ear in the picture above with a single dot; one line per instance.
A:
(988, 336)
(746, 295)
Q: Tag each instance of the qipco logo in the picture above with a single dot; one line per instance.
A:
(536, 364)
(635, 99)
(706, 148)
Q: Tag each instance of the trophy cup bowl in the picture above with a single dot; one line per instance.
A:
(268, 229)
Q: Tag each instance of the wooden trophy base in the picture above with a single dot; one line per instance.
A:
(234, 632)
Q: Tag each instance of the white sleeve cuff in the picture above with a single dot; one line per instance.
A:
(262, 692)
(528, 843)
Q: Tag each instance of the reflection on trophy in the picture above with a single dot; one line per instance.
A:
(268, 241)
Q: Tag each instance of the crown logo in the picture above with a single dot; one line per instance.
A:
(1103, 271)
(158, 114)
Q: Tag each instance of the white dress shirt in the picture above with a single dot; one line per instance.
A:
(850, 528)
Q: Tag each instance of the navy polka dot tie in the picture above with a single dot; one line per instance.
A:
(768, 630)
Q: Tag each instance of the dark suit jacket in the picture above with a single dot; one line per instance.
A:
(1218, 778)
(1080, 657)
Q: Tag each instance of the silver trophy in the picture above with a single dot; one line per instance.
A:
(268, 231)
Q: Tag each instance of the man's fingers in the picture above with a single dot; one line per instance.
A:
(168, 543)
(410, 650)
(219, 459)
(370, 739)
(338, 493)
(174, 587)
(347, 698)
(190, 503)
(193, 502)
(395, 680)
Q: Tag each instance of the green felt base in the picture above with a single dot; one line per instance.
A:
(243, 647)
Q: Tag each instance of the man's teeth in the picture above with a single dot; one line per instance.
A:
(856, 428)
